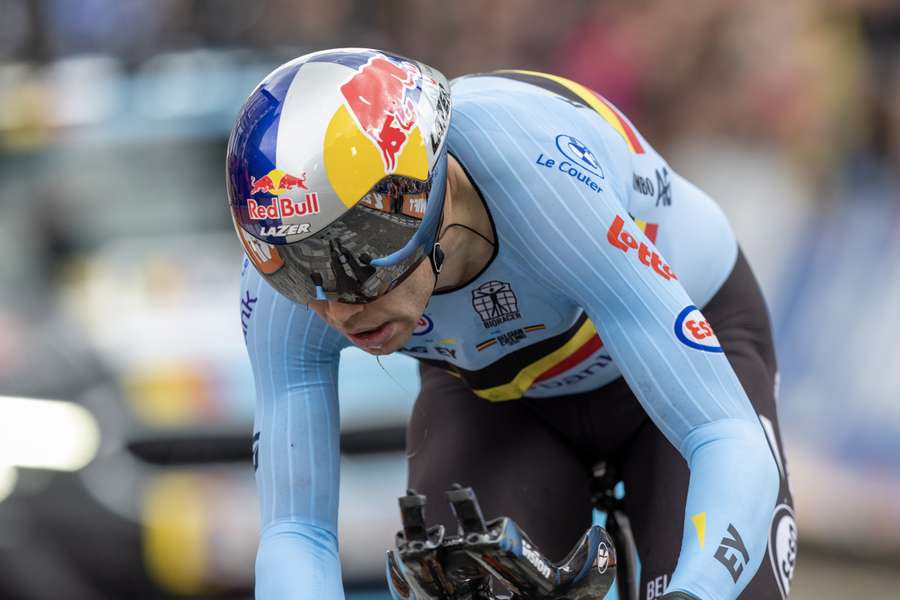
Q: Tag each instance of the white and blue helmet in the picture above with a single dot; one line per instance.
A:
(336, 172)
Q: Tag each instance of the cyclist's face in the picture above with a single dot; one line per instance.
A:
(382, 326)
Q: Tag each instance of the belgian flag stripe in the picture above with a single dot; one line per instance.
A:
(510, 377)
(575, 91)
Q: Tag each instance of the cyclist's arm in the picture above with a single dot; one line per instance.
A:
(296, 444)
(692, 395)
(559, 227)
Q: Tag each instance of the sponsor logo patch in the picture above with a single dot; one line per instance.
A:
(783, 547)
(663, 187)
(598, 364)
(247, 305)
(577, 162)
(424, 326)
(285, 230)
(656, 587)
(379, 96)
(276, 210)
(535, 559)
(510, 338)
(602, 557)
(446, 351)
(619, 238)
(496, 303)
(283, 208)
(643, 185)
(415, 350)
(579, 154)
(732, 553)
(276, 182)
(694, 331)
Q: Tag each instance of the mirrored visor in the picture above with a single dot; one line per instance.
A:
(368, 250)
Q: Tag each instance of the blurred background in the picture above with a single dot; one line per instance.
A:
(125, 394)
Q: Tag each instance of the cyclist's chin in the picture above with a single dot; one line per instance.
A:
(400, 338)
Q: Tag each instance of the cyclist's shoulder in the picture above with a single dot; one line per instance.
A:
(556, 97)
(503, 111)
(513, 92)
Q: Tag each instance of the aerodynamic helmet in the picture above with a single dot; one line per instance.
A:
(336, 171)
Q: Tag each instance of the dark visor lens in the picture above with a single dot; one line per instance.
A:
(335, 263)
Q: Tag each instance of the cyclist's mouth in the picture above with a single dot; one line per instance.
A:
(373, 339)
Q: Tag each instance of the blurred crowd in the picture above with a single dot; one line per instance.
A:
(788, 74)
(118, 268)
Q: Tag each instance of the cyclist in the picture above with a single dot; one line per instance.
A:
(524, 242)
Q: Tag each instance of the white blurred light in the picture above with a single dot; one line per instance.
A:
(46, 434)
(8, 476)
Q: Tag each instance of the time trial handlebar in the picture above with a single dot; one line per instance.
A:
(428, 564)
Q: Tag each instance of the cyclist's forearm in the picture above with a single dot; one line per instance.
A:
(297, 561)
(296, 453)
(732, 492)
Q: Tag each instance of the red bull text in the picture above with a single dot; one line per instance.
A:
(282, 208)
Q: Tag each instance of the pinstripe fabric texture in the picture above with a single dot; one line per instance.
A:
(555, 227)
(294, 356)
(567, 192)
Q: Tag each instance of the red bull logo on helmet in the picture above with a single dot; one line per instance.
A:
(271, 206)
(275, 182)
(378, 96)
(283, 208)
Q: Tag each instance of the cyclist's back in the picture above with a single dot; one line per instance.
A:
(540, 156)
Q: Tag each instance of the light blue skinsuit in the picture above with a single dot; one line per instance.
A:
(574, 198)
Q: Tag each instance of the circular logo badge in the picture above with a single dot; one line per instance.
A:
(579, 154)
(783, 547)
(602, 557)
(693, 330)
(424, 326)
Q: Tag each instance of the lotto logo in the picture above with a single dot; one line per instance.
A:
(624, 241)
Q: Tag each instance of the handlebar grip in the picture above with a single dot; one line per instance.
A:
(466, 510)
(412, 515)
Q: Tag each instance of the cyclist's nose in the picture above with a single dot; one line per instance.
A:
(341, 312)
